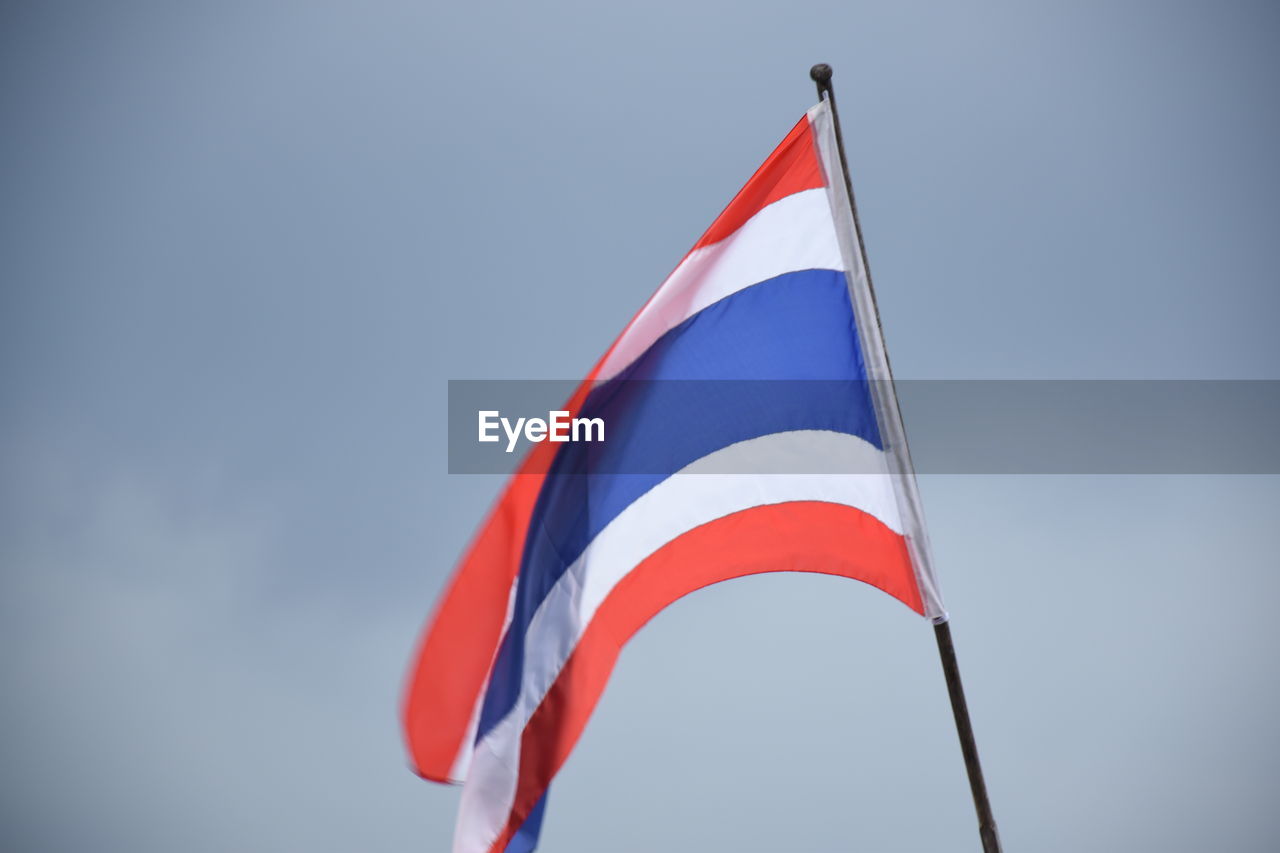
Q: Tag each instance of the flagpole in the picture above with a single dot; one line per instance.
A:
(821, 75)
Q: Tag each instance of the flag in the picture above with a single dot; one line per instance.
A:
(567, 568)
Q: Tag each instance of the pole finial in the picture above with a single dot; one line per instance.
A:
(821, 74)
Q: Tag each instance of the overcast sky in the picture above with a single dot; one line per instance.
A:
(244, 245)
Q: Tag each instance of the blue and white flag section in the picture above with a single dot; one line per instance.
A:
(567, 568)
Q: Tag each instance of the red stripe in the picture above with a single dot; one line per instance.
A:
(802, 536)
(792, 167)
(461, 639)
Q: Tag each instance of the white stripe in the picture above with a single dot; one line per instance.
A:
(792, 234)
(699, 493)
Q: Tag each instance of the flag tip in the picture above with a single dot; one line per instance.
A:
(821, 74)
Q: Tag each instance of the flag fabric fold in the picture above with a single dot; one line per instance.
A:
(568, 567)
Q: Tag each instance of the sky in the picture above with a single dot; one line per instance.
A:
(245, 245)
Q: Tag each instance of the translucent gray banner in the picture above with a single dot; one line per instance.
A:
(955, 427)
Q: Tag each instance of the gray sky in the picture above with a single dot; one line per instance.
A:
(245, 244)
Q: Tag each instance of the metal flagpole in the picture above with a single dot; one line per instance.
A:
(821, 75)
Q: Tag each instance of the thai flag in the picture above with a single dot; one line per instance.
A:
(567, 567)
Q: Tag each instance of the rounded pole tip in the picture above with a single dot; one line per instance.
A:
(821, 74)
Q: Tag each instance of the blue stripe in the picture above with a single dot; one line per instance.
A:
(526, 837)
(798, 326)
